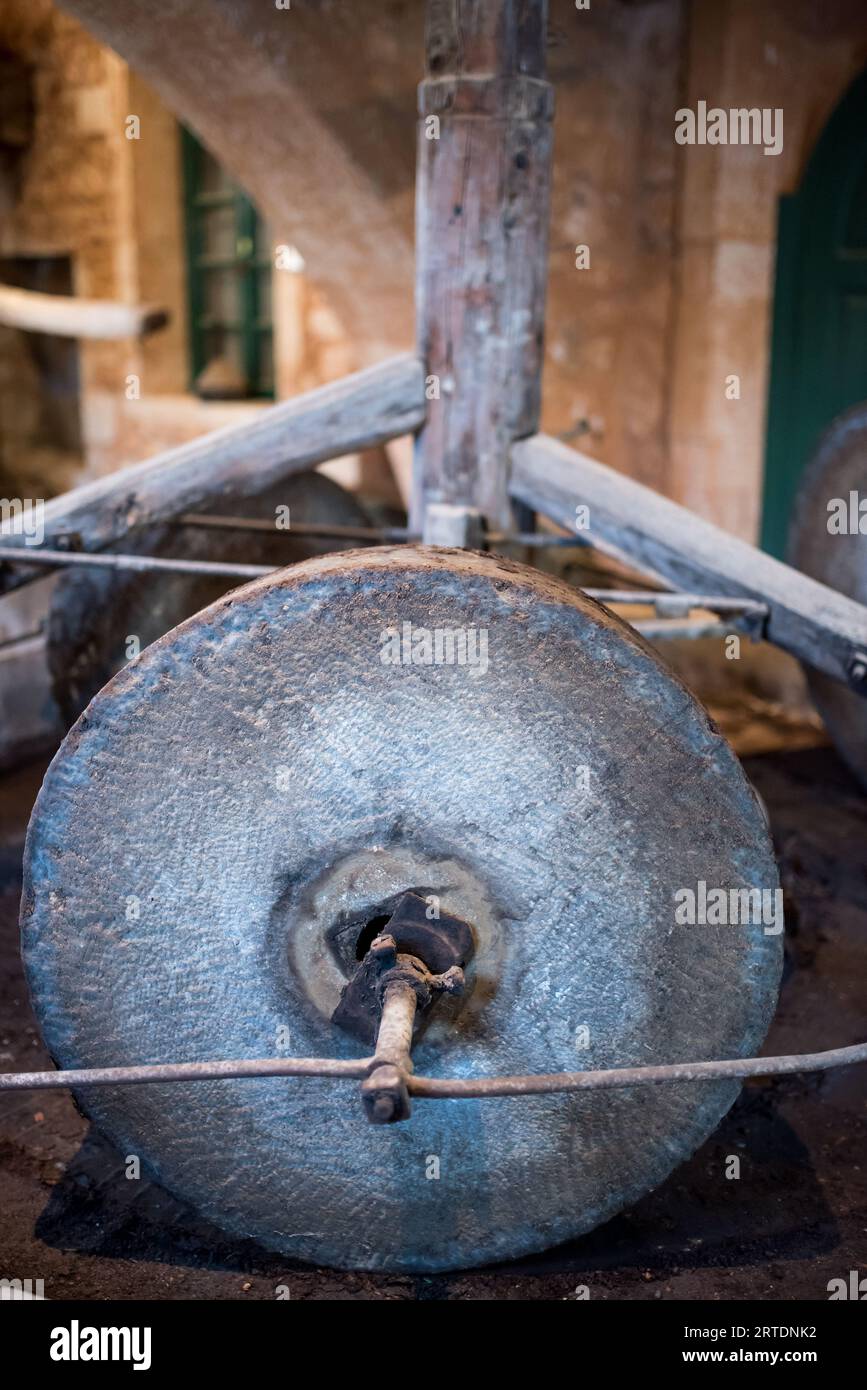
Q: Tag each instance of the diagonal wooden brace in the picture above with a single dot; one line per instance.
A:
(358, 412)
(639, 527)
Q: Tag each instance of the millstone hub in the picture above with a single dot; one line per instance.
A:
(264, 772)
(434, 947)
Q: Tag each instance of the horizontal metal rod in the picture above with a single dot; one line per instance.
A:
(679, 603)
(455, 1088)
(186, 1071)
(56, 559)
(382, 534)
(296, 528)
(667, 629)
(737, 1069)
(537, 540)
(110, 561)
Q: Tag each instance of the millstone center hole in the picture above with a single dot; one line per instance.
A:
(369, 933)
(350, 936)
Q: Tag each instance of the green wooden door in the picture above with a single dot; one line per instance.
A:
(228, 273)
(819, 345)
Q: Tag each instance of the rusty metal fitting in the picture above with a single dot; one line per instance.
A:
(426, 955)
(387, 992)
(384, 1092)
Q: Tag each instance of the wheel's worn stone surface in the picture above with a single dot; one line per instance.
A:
(838, 467)
(95, 612)
(260, 775)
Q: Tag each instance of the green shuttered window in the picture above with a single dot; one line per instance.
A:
(229, 258)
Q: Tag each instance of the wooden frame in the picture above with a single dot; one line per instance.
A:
(670, 543)
(482, 222)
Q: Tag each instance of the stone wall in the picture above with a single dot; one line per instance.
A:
(112, 207)
(797, 56)
(66, 202)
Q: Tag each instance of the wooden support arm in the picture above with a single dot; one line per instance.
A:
(646, 530)
(358, 412)
(72, 317)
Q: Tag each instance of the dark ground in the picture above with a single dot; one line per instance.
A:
(796, 1218)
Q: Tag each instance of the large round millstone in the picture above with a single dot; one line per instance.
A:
(838, 467)
(274, 769)
(95, 613)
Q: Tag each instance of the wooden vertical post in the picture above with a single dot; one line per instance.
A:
(484, 164)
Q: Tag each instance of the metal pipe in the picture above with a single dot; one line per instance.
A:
(537, 540)
(60, 559)
(111, 561)
(297, 528)
(381, 534)
(230, 570)
(736, 1069)
(677, 604)
(385, 1092)
(666, 629)
(396, 1039)
(185, 1071)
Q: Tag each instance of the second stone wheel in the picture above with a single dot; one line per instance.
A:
(288, 761)
(836, 554)
(96, 613)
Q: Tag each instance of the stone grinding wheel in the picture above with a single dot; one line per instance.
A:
(94, 611)
(260, 776)
(838, 466)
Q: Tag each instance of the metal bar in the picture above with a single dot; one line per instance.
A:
(678, 603)
(666, 629)
(185, 1071)
(298, 528)
(734, 1070)
(537, 540)
(382, 534)
(641, 528)
(384, 1092)
(396, 1039)
(42, 556)
(673, 610)
(110, 561)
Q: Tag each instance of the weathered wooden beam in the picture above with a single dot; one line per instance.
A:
(483, 176)
(358, 412)
(486, 36)
(72, 317)
(638, 526)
